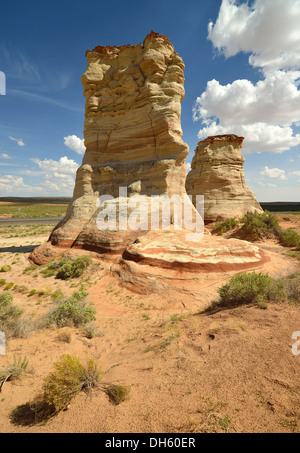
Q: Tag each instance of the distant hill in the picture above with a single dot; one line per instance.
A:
(279, 206)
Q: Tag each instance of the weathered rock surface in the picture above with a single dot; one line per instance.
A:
(132, 136)
(166, 261)
(218, 174)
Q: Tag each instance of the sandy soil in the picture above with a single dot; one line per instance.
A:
(233, 371)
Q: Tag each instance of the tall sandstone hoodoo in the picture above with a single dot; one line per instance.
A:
(133, 140)
(218, 174)
(132, 135)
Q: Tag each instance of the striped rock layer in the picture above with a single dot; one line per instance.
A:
(218, 174)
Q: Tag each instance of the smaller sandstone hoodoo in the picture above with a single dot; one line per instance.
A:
(218, 174)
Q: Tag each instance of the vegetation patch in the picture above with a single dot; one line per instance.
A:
(32, 210)
(11, 321)
(65, 269)
(289, 238)
(226, 225)
(13, 371)
(258, 225)
(68, 378)
(249, 288)
(5, 268)
(72, 311)
(117, 393)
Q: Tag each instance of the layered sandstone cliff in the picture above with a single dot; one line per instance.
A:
(218, 174)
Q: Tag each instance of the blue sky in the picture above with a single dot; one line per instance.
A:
(242, 74)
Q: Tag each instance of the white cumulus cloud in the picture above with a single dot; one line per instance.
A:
(268, 30)
(59, 175)
(273, 173)
(5, 156)
(75, 143)
(264, 113)
(12, 183)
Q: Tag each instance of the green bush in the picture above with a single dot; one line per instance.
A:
(8, 286)
(249, 288)
(74, 268)
(2, 282)
(74, 310)
(8, 311)
(11, 322)
(117, 393)
(226, 225)
(289, 238)
(30, 269)
(65, 269)
(260, 225)
(57, 295)
(5, 268)
(68, 379)
(292, 287)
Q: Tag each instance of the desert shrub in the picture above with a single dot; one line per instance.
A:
(65, 337)
(117, 393)
(9, 313)
(258, 225)
(91, 330)
(20, 289)
(57, 295)
(53, 267)
(5, 268)
(74, 268)
(11, 321)
(30, 269)
(74, 310)
(226, 225)
(32, 292)
(8, 286)
(13, 371)
(2, 282)
(65, 269)
(45, 291)
(68, 379)
(289, 238)
(249, 288)
(292, 287)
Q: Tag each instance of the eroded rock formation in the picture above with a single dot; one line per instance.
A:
(133, 140)
(132, 136)
(218, 174)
